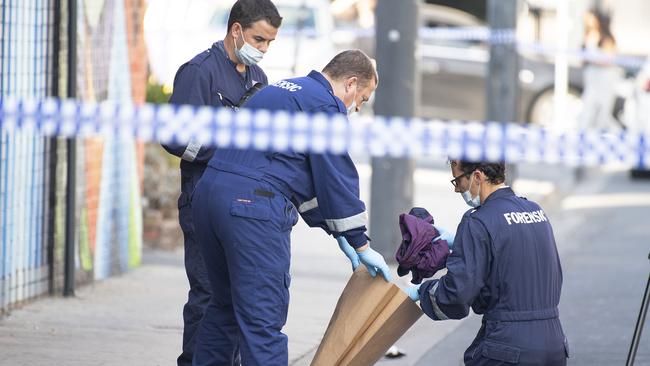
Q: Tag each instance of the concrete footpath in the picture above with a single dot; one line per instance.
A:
(135, 319)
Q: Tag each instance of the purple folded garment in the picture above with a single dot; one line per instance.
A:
(418, 253)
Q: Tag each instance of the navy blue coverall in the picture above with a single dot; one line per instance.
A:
(505, 266)
(244, 208)
(212, 79)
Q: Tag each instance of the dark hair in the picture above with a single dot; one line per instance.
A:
(495, 172)
(247, 12)
(604, 19)
(352, 63)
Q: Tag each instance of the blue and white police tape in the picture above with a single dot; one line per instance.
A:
(484, 34)
(592, 56)
(433, 36)
(319, 133)
(508, 36)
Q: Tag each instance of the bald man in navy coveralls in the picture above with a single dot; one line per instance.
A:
(247, 202)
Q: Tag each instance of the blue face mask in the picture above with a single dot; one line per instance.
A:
(247, 54)
(467, 195)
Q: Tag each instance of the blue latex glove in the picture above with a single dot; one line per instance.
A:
(349, 251)
(445, 235)
(375, 263)
(414, 292)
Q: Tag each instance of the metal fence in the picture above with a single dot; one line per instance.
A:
(70, 209)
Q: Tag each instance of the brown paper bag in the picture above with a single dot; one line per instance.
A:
(370, 316)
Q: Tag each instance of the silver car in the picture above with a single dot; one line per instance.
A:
(454, 74)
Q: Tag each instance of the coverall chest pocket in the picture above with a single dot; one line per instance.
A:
(222, 99)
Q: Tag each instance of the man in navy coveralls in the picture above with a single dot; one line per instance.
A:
(216, 77)
(247, 202)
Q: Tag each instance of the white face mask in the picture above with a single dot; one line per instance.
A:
(353, 107)
(247, 54)
(467, 195)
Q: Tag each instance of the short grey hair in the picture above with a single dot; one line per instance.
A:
(352, 63)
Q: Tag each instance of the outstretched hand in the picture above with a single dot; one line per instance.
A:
(375, 262)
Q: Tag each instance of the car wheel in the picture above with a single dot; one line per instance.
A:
(640, 174)
(542, 109)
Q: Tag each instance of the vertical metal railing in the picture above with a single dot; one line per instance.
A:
(27, 66)
(69, 277)
(3, 248)
(52, 144)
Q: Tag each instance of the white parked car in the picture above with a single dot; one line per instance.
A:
(175, 31)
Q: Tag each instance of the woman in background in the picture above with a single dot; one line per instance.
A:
(600, 74)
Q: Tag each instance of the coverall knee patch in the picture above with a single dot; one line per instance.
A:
(268, 302)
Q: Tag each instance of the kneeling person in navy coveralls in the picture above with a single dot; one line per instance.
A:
(247, 201)
(505, 266)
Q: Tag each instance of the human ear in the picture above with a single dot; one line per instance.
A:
(237, 30)
(351, 81)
